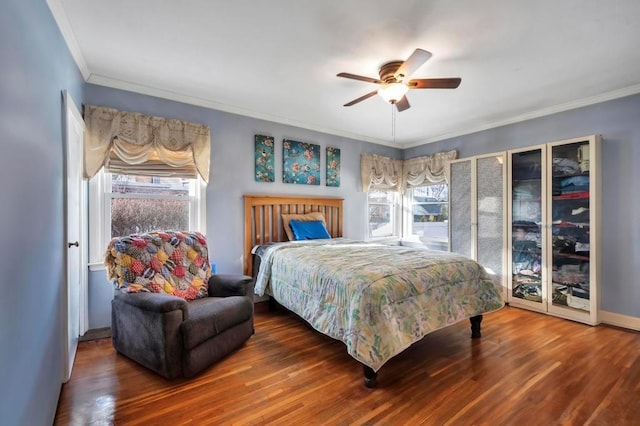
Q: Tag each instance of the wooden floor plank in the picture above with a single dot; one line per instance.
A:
(528, 368)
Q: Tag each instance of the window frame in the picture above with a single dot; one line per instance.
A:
(395, 213)
(100, 197)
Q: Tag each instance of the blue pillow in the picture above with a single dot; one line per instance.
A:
(308, 230)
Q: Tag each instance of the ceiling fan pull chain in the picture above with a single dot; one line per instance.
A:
(393, 122)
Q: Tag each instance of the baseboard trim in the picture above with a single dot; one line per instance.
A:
(95, 334)
(619, 320)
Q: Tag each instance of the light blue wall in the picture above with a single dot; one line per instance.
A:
(35, 67)
(618, 122)
(232, 149)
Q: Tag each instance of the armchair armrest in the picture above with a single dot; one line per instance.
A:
(146, 327)
(153, 302)
(223, 285)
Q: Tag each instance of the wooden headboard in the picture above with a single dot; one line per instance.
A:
(263, 221)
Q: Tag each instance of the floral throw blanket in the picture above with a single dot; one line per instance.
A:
(378, 299)
(169, 262)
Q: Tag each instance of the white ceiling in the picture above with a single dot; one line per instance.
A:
(278, 59)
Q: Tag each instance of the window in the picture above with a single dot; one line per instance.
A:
(383, 213)
(429, 215)
(124, 204)
(146, 203)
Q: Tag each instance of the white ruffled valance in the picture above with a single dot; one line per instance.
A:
(134, 143)
(427, 170)
(378, 172)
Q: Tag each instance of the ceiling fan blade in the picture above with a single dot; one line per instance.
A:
(359, 77)
(411, 65)
(403, 104)
(434, 83)
(361, 98)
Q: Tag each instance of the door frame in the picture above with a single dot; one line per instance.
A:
(71, 112)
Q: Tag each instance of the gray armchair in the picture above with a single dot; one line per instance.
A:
(179, 338)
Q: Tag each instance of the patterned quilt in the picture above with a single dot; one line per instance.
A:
(376, 298)
(169, 262)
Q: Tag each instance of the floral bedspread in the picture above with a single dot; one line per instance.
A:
(376, 298)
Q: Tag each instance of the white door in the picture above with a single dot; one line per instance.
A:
(75, 245)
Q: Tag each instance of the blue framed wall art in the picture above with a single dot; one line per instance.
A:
(333, 166)
(300, 162)
(264, 160)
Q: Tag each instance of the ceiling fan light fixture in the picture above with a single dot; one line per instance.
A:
(393, 92)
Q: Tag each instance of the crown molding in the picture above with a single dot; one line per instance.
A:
(60, 16)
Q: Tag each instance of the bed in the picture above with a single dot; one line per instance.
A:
(377, 298)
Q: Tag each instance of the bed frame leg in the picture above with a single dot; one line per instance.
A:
(370, 377)
(475, 326)
(273, 305)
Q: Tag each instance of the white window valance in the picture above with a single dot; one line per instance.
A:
(378, 172)
(427, 170)
(134, 143)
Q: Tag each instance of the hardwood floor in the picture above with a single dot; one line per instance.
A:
(527, 369)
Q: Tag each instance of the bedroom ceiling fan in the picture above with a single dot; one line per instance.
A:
(394, 79)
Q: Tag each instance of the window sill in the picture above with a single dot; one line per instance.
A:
(412, 243)
(431, 244)
(97, 266)
(390, 239)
